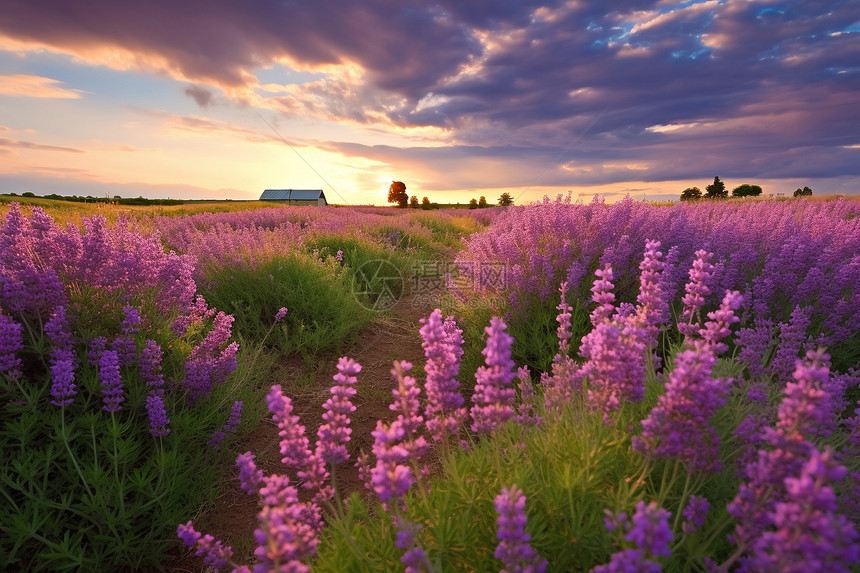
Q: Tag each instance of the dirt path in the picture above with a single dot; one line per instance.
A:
(391, 336)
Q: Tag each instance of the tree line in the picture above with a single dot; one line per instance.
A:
(397, 194)
(717, 190)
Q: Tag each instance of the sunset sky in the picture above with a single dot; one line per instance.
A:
(457, 99)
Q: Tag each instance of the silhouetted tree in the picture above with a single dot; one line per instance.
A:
(413, 202)
(691, 193)
(397, 194)
(425, 203)
(805, 192)
(473, 203)
(717, 189)
(482, 202)
(746, 190)
(506, 200)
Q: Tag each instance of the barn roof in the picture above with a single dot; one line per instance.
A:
(292, 195)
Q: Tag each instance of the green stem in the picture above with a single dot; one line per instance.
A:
(664, 489)
(717, 530)
(72, 455)
(734, 557)
(681, 502)
(339, 511)
(339, 523)
(120, 491)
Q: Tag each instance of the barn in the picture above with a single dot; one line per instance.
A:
(295, 196)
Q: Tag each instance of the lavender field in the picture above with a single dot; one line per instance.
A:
(607, 388)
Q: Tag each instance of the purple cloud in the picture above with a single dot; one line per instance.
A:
(201, 95)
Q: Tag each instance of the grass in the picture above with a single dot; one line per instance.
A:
(72, 212)
(323, 313)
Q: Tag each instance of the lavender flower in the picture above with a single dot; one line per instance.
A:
(215, 554)
(97, 347)
(126, 349)
(652, 311)
(649, 530)
(249, 476)
(62, 359)
(755, 344)
(514, 550)
(334, 434)
(615, 367)
(365, 469)
(231, 426)
(494, 394)
(208, 365)
(111, 381)
(602, 295)
(407, 406)
(132, 321)
(791, 339)
(414, 558)
(279, 316)
(807, 408)
(389, 478)
(613, 520)
(560, 386)
(57, 329)
(63, 387)
(757, 393)
(628, 561)
(294, 445)
(717, 328)
(442, 343)
(563, 319)
(808, 530)
(285, 537)
(525, 411)
(149, 365)
(802, 414)
(158, 420)
(695, 514)
(697, 290)
(679, 426)
(11, 342)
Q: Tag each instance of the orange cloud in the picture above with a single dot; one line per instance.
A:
(24, 85)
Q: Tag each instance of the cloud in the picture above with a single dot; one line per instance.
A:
(570, 91)
(16, 144)
(201, 95)
(24, 85)
(201, 125)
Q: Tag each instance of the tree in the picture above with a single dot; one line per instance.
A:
(746, 190)
(482, 202)
(425, 203)
(691, 193)
(413, 202)
(717, 189)
(805, 192)
(506, 200)
(473, 203)
(397, 194)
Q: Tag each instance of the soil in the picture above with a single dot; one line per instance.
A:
(391, 336)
